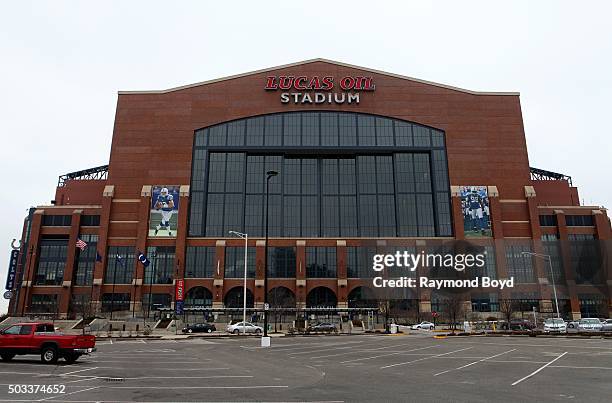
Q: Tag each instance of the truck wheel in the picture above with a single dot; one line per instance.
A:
(7, 357)
(71, 358)
(48, 355)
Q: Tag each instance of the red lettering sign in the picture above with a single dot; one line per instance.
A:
(180, 290)
(326, 83)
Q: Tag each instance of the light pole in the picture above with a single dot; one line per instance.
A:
(552, 274)
(246, 247)
(269, 175)
(154, 263)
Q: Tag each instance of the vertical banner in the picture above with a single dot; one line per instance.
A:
(476, 212)
(180, 288)
(164, 211)
(179, 296)
(12, 270)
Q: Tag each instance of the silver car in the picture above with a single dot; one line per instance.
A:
(589, 325)
(606, 325)
(242, 327)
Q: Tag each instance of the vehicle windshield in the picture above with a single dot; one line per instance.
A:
(554, 321)
(590, 321)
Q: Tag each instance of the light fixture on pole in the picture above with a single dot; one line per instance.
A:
(244, 292)
(265, 341)
(552, 274)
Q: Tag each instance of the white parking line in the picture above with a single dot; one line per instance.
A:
(361, 350)
(475, 362)
(386, 355)
(318, 345)
(532, 345)
(201, 387)
(573, 367)
(538, 370)
(318, 351)
(75, 372)
(424, 358)
(71, 393)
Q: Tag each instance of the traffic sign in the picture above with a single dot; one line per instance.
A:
(266, 306)
(8, 295)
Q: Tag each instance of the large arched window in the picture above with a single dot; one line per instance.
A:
(198, 297)
(341, 174)
(235, 298)
(321, 297)
(281, 297)
(362, 297)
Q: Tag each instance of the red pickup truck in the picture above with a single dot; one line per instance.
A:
(41, 338)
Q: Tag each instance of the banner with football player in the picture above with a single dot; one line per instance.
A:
(164, 211)
(476, 212)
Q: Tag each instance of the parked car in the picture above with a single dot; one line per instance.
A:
(589, 325)
(518, 324)
(606, 325)
(242, 327)
(200, 328)
(555, 325)
(572, 324)
(41, 338)
(323, 327)
(423, 325)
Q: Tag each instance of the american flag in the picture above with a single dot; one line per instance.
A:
(81, 244)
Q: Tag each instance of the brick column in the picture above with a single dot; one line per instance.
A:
(570, 279)
(498, 237)
(219, 274)
(458, 224)
(540, 264)
(604, 235)
(183, 230)
(341, 257)
(144, 208)
(99, 268)
(29, 271)
(260, 251)
(300, 274)
(66, 293)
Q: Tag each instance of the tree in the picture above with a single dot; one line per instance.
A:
(507, 307)
(452, 306)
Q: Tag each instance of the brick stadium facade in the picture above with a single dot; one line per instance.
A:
(480, 135)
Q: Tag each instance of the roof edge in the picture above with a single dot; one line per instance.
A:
(232, 77)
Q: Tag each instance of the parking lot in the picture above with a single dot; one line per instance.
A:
(415, 367)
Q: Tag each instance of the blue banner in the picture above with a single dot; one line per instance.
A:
(179, 307)
(12, 271)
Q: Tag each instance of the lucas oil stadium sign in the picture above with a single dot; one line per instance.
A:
(319, 90)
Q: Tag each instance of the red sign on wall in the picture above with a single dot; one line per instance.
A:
(180, 290)
(319, 89)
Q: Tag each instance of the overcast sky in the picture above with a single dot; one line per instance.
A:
(62, 64)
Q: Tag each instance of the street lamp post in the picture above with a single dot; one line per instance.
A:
(244, 292)
(552, 275)
(154, 263)
(269, 175)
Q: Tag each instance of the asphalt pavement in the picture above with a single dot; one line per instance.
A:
(366, 368)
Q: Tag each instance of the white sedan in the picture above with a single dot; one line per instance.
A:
(423, 325)
(555, 325)
(242, 327)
